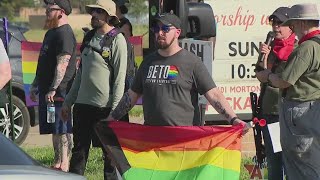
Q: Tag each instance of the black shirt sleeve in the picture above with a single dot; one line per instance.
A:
(137, 85)
(65, 42)
(203, 79)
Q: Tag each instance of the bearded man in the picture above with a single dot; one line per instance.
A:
(98, 86)
(170, 80)
(55, 72)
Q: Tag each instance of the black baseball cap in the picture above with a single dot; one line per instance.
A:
(281, 13)
(63, 4)
(168, 19)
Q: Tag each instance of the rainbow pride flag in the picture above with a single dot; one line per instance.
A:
(172, 153)
(30, 54)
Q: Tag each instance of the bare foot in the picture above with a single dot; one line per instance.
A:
(64, 166)
(56, 166)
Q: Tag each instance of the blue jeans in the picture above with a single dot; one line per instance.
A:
(274, 160)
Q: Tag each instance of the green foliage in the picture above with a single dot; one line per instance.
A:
(94, 169)
(137, 8)
(7, 9)
(136, 111)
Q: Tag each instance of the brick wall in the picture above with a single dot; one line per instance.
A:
(248, 148)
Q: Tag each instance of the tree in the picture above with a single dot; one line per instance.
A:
(138, 8)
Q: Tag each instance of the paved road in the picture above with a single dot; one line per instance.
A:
(36, 140)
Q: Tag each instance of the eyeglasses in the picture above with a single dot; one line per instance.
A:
(275, 22)
(97, 10)
(49, 10)
(164, 28)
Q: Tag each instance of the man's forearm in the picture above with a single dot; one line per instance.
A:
(61, 68)
(278, 82)
(219, 103)
(126, 103)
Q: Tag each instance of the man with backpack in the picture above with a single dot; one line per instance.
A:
(99, 83)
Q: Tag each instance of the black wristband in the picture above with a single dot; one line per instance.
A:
(233, 119)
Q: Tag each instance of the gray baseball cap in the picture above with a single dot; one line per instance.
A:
(302, 12)
(281, 13)
(169, 19)
(63, 4)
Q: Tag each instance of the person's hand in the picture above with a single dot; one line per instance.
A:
(247, 126)
(109, 118)
(263, 75)
(265, 49)
(33, 93)
(50, 95)
(65, 112)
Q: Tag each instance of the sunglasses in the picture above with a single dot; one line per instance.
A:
(275, 22)
(164, 28)
(49, 10)
(97, 10)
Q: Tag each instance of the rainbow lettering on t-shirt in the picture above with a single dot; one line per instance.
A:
(173, 72)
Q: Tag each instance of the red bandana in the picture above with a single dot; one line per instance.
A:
(283, 47)
(309, 36)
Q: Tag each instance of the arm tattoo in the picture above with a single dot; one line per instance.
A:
(217, 106)
(61, 68)
(123, 107)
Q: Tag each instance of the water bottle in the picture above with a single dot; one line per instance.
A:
(50, 112)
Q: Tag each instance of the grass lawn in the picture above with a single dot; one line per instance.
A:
(95, 163)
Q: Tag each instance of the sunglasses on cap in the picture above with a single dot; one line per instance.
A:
(164, 28)
(275, 22)
(97, 10)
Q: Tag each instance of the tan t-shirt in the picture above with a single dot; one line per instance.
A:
(302, 71)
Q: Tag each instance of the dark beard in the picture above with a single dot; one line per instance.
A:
(51, 23)
(164, 45)
(95, 23)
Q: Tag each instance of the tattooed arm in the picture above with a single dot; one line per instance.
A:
(126, 103)
(62, 64)
(221, 105)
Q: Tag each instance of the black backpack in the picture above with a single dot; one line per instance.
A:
(105, 52)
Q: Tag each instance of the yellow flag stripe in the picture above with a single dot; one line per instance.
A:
(182, 160)
(29, 67)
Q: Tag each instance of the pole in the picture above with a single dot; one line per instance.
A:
(6, 45)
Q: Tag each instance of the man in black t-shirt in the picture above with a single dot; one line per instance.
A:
(55, 72)
(170, 80)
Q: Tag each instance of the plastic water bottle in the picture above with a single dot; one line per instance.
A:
(51, 112)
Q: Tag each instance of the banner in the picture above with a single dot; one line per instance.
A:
(167, 152)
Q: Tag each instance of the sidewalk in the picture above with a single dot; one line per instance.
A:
(34, 139)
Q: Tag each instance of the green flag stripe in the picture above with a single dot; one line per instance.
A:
(28, 78)
(205, 172)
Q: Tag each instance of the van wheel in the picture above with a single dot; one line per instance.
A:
(21, 120)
